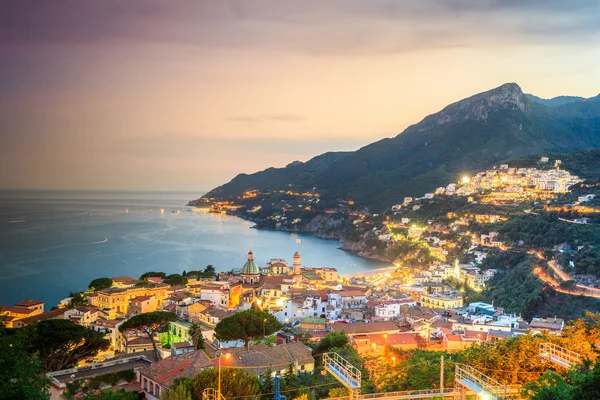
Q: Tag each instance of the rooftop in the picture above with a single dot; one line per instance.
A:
(167, 370)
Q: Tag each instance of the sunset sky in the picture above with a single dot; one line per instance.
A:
(183, 95)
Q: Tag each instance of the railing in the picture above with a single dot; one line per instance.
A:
(559, 355)
(212, 394)
(413, 394)
(474, 380)
(339, 367)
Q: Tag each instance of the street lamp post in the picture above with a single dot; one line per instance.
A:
(393, 361)
(227, 355)
(264, 323)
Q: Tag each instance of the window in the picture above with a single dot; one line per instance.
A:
(302, 367)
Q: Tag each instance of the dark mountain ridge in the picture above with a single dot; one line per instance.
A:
(467, 136)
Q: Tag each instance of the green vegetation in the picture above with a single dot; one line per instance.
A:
(153, 273)
(149, 323)
(22, 372)
(436, 150)
(78, 299)
(247, 325)
(93, 384)
(100, 284)
(175, 280)
(235, 383)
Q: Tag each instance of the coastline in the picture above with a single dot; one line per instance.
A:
(343, 244)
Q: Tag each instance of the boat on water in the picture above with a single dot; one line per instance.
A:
(101, 241)
(16, 221)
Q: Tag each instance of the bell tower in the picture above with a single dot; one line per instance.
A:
(297, 263)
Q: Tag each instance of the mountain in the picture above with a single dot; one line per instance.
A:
(467, 136)
(555, 101)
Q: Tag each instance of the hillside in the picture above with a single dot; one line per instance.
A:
(467, 136)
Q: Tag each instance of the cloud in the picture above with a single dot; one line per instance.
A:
(267, 118)
(308, 27)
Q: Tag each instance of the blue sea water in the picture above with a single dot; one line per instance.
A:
(55, 242)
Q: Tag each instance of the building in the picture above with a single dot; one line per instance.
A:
(551, 325)
(123, 281)
(448, 300)
(277, 266)
(376, 343)
(159, 377)
(141, 304)
(10, 315)
(363, 328)
(116, 300)
(250, 271)
(261, 358)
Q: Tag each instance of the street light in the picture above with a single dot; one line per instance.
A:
(264, 322)
(393, 361)
(227, 356)
(385, 336)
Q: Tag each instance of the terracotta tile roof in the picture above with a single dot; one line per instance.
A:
(17, 310)
(260, 358)
(29, 303)
(53, 314)
(167, 370)
(139, 341)
(142, 298)
(127, 280)
(362, 327)
(393, 339)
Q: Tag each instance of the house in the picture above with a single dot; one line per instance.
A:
(450, 339)
(551, 325)
(159, 377)
(286, 337)
(376, 343)
(110, 328)
(54, 314)
(116, 299)
(123, 281)
(261, 358)
(314, 324)
(141, 304)
(362, 328)
(84, 315)
(447, 300)
(182, 348)
(10, 315)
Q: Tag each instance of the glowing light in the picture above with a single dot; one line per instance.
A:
(466, 179)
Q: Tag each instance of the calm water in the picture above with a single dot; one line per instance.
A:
(55, 242)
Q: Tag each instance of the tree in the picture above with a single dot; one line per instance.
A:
(176, 280)
(78, 299)
(149, 323)
(152, 273)
(330, 341)
(100, 284)
(196, 333)
(234, 383)
(179, 391)
(209, 271)
(267, 385)
(22, 375)
(62, 344)
(246, 325)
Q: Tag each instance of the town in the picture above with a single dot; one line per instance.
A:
(293, 328)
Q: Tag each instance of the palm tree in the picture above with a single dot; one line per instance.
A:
(196, 334)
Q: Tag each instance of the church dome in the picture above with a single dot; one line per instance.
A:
(250, 268)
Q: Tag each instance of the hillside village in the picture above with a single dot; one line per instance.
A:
(392, 307)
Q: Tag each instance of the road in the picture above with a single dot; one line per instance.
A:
(581, 290)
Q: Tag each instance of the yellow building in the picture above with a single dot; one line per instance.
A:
(442, 300)
(24, 309)
(117, 299)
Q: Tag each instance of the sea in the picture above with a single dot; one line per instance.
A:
(54, 242)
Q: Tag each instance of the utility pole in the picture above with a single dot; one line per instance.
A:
(441, 374)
